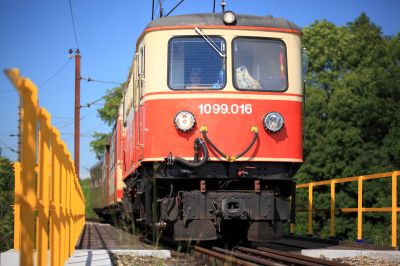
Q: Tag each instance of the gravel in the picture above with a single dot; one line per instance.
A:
(365, 261)
(188, 260)
(125, 260)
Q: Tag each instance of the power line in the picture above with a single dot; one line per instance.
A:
(94, 102)
(8, 147)
(91, 130)
(6, 91)
(65, 125)
(56, 73)
(81, 135)
(98, 100)
(89, 79)
(73, 24)
(62, 117)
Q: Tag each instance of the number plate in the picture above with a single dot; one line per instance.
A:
(243, 109)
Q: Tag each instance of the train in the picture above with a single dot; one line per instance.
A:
(209, 131)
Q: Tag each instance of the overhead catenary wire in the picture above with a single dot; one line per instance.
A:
(65, 125)
(8, 147)
(73, 24)
(89, 79)
(87, 105)
(72, 122)
(6, 91)
(98, 100)
(81, 135)
(87, 132)
(55, 73)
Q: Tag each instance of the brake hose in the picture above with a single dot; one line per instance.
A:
(253, 129)
(193, 164)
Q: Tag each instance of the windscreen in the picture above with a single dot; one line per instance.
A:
(259, 64)
(195, 64)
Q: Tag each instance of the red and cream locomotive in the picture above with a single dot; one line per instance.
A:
(209, 134)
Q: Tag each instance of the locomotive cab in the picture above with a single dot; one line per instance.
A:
(212, 133)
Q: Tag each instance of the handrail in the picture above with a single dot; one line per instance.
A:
(394, 209)
(46, 184)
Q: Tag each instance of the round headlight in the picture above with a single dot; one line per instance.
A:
(184, 121)
(273, 121)
(228, 17)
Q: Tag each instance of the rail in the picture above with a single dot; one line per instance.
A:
(46, 187)
(394, 209)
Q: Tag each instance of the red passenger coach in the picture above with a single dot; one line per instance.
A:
(209, 134)
(106, 175)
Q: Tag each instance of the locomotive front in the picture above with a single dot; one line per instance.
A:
(212, 120)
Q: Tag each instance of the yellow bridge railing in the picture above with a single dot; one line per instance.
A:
(46, 187)
(394, 209)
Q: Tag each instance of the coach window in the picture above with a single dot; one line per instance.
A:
(195, 64)
(259, 64)
(141, 61)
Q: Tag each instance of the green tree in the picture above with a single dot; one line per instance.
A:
(85, 185)
(99, 142)
(109, 114)
(351, 116)
(6, 202)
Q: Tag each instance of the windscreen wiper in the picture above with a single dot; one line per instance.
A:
(210, 42)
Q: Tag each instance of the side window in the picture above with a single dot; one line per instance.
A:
(141, 61)
(141, 68)
(135, 81)
(195, 64)
(112, 149)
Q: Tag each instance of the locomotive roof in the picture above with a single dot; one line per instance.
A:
(215, 19)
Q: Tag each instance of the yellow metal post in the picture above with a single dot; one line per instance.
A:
(63, 204)
(394, 209)
(333, 194)
(55, 218)
(42, 237)
(28, 200)
(17, 207)
(71, 211)
(359, 208)
(310, 209)
(68, 247)
(68, 208)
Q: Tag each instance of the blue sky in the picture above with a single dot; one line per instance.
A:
(36, 35)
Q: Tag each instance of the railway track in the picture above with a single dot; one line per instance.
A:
(95, 236)
(259, 256)
(104, 236)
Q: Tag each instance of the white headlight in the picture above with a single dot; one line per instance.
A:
(273, 121)
(229, 17)
(184, 121)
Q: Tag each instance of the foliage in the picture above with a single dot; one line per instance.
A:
(351, 115)
(99, 142)
(6, 202)
(85, 185)
(109, 114)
